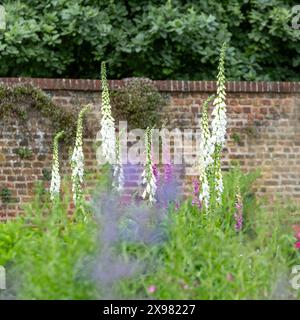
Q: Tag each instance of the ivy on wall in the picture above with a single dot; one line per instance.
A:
(19, 100)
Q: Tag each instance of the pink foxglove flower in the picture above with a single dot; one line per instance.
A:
(196, 186)
(297, 245)
(151, 289)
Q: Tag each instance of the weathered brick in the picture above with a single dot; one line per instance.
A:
(264, 116)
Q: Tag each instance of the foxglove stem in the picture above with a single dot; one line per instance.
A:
(206, 145)
(218, 178)
(107, 121)
(155, 170)
(206, 151)
(55, 177)
(238, 216)
(148, 176)
(118, 171)
(204, 195)
(77, 160)
(219, 124)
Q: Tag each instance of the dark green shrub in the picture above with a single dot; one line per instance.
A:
(157, 39)
(138, 102)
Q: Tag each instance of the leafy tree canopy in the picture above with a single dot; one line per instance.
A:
(159, 39)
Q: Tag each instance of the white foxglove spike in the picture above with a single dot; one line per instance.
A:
(118, 171)
(219, 123)
(206, 153)
(148, 175)
(219, 112)
(107, 122)
(55, 177)
(77, 160)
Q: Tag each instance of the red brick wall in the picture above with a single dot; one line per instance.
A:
(263, 131)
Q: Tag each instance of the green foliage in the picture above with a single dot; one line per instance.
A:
(11, 232)
(45, 253)
(236, 138)
(156, 39)
(205, 258)
(24, 152)
(46, 174)
(18, 100)
(5, 195)
(50, 255)
(139, 103)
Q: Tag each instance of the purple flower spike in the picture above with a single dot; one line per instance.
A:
(155, 172)
(196, 201)
(238, 216)
(239, 222)
(168, 172)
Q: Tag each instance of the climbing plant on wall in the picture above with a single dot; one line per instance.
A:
(19, 100)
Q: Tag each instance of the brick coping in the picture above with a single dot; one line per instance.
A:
(162, 85)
